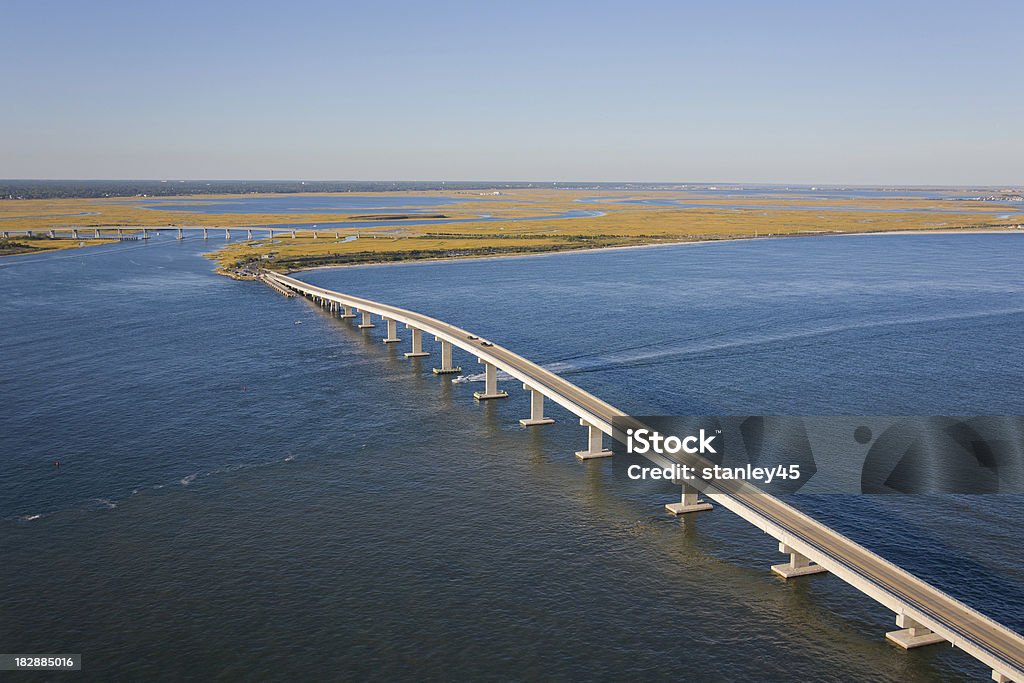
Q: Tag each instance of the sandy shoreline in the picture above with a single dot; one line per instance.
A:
(940, 231)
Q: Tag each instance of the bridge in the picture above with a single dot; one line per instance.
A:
(924, 614)
(123, 232)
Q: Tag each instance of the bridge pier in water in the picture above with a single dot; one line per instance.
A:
(392, 337)
(446, 359)
(917, 611)
(367, 322)
(248, 234)
(689, 502)
(347, 312)
(50, 234)
(536, 409)
(96, 233)
(206, 234)
(227, 234)
(417, 344)
(595, 443)
(181, 234)
(913, 634)
(798, 565)
(490, 383)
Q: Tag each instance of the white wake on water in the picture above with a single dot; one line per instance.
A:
(639, 356)
(480, 377)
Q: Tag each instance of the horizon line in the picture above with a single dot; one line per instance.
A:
(524, 182)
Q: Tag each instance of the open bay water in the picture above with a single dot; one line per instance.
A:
(244, 497)
(305, 203)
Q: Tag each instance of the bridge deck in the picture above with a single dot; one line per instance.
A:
(983, 638)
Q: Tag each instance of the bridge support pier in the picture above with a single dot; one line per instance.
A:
(536, 409)
(145, 233)
(50, 234)
(316, 235)
(347, 312)
(1001, 677)
(181, 234)
(96, 233)
(595, 443)
(120, 232)
(392, 332)
(798, 565)
(227, 234)
(206, 234)
(689, 502)
(367, 322)
(913, 634)
(446, 359)
(271, 233)
(248, 234)
(490, 383)
(293, 234)
(417, 344)
(74, 233)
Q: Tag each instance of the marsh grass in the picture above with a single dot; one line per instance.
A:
(622, 224)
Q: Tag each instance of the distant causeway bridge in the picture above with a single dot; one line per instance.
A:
(924, 614)
(135, 232)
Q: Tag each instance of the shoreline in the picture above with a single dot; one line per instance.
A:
(936, 231)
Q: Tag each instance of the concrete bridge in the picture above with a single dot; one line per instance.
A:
(134, 232)
(924, 614)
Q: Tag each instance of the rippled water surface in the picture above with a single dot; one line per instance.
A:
(243, 496)
(304, 203)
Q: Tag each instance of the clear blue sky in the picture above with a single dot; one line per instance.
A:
(819, 92)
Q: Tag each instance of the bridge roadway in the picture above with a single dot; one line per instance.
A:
(110, 231)
(929, 614)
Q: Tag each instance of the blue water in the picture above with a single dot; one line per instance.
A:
(826, 192)
(240, 496)
(951, 207)
(311, 203)
(345, 204)
(376, 224)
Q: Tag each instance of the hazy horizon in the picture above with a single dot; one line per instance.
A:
(482, 181)
(799, 93)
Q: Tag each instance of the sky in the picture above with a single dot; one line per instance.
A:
(895, 92)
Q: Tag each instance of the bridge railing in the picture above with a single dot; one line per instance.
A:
(927, 614)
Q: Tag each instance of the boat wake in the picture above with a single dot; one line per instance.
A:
(480, 377)
(645, 354)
